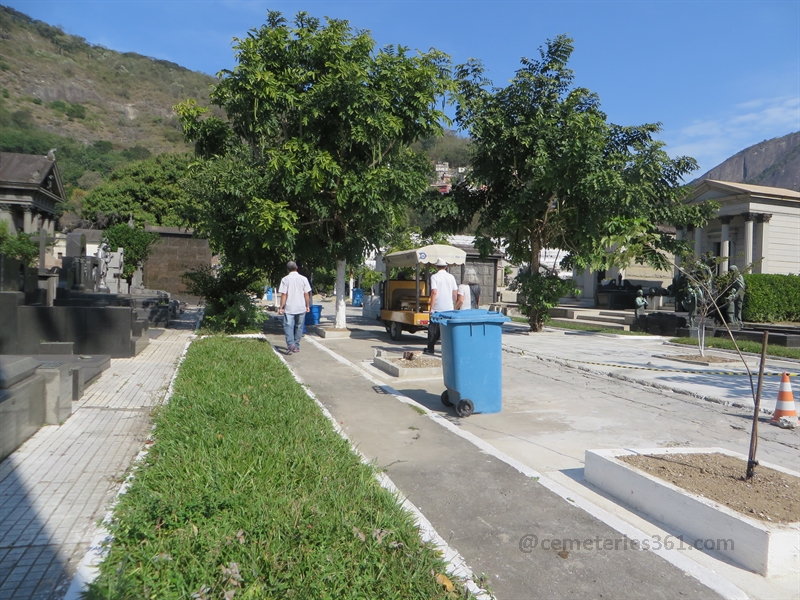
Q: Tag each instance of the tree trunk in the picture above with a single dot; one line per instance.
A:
(535, 320)
(341, 306)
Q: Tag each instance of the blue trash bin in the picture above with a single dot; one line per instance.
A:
(269, 294)
(472, 360)
(314, 315)
(358, 297)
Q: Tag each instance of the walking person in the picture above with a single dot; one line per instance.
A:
(469, 292)
(443, 297)
(295, 302)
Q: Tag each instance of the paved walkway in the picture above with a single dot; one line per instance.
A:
(470, 477)
(58, 484)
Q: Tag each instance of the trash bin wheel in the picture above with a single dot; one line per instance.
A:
(395, 331)
(464, 408)
(446, 398)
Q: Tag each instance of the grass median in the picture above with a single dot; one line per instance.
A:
(582, 327)
(744, 346)
(248, 492)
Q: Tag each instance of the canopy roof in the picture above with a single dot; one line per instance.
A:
(428, 255)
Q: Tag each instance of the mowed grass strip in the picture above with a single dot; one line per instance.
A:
(744, 345)
(248, 492)
(582, 327)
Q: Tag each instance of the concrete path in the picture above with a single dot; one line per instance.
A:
(487, 483)
(646, 359)
(58, 485)
(552, 414)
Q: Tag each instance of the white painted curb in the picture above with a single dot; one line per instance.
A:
(704, 575)
(89, 567)
(456, 565)
(766, 549)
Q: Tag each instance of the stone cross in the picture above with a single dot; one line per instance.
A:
(43, 241)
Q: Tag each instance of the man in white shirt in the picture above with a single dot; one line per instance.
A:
(295, 291)
(443, 297)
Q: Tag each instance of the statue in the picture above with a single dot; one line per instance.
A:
(103, 258)
(735, 298)
(641, 304)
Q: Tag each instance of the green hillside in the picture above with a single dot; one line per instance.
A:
(99, 108)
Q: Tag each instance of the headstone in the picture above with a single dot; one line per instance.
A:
(76, 244)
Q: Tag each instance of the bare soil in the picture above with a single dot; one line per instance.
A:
(704, 359)
(769, 496)
(418, 363)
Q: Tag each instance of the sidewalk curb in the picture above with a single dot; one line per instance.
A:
(704, 575)
(457, 566)
(89, 567)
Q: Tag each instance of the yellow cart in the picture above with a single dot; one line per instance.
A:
(406, 304)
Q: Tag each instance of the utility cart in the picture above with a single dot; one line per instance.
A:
(406, 304)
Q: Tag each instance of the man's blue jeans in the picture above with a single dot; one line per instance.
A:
(293, 328)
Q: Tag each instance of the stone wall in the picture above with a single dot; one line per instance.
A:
(176, 253)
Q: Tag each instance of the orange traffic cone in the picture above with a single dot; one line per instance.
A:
(785, 406)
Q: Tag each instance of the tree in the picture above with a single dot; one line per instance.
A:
(137, 244)
(327, 122)
(19, 246)
(149, 190)
(549, 171)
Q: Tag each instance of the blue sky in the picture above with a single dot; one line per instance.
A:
(720, 75)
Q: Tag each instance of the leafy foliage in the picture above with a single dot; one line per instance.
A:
(549, 171)
(138, 245)
(451, 148)
(19, 246)
(229, 298)
(150, 190)
(327, 123)
(771, 298)
(541, 293)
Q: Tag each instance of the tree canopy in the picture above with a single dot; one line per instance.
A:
(550, 171)
(137, 243)
(150, 190)
(326, 122)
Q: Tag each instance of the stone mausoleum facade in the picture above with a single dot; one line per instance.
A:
(30, 192)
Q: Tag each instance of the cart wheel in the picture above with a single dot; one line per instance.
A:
(446, 398)
(464, 408)
(386, 326)
(395, 331)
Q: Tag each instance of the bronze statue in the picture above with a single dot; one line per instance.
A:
(735, 298)
(641, 304)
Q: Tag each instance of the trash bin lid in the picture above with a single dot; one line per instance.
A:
(477, 315)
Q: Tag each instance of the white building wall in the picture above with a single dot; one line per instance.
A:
(783, 242)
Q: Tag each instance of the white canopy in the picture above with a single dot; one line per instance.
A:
(428, 255)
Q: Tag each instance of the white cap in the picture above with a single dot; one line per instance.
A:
(441, 263)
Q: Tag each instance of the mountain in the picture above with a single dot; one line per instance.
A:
(100, 108)
(774, 163)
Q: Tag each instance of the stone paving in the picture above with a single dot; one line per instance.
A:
(59, 484)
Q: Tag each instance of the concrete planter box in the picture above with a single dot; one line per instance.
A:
(387, 365)
(758, 546)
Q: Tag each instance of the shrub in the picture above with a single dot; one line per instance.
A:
(58, 106)
(539, 294)
(229, 297)
(771, 298)
(18, 246)
(76, 111)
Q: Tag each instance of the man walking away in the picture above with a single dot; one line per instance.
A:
(295, 291)
(443, 297)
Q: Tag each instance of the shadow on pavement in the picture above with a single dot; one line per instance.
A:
(30, 566)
